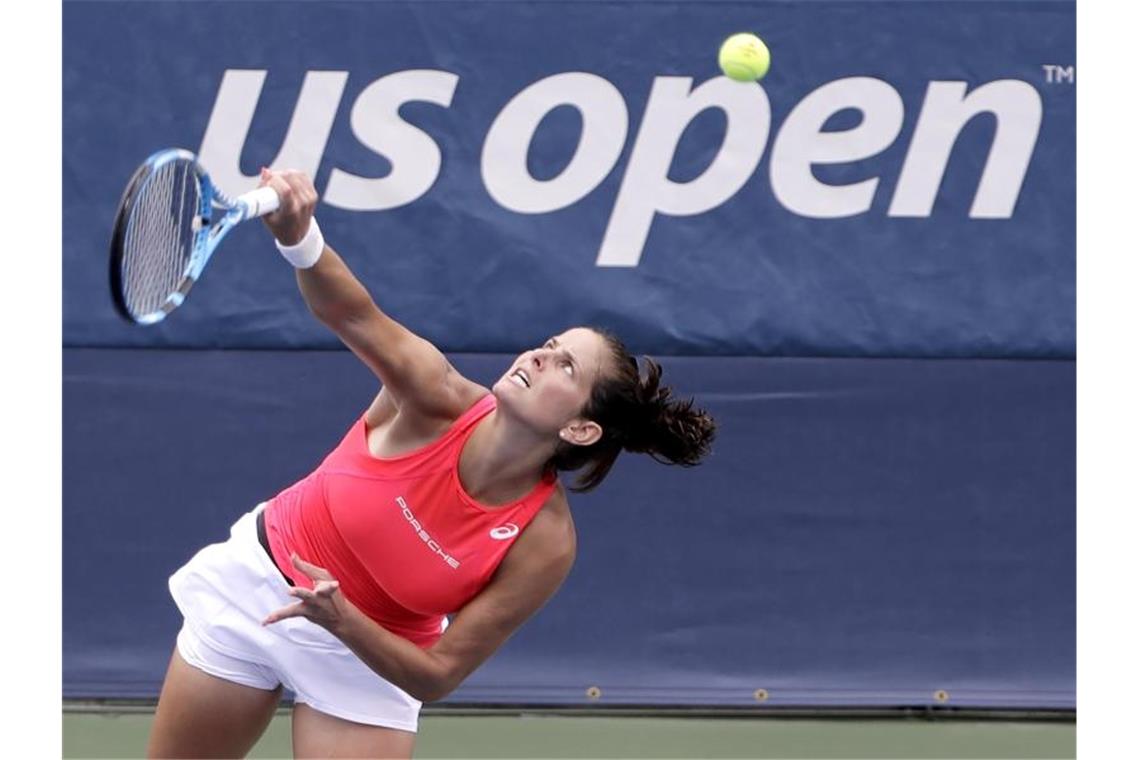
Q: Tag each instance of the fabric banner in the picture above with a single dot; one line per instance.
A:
(864, 533)
(901, 183)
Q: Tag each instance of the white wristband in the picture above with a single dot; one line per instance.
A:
(306, 252)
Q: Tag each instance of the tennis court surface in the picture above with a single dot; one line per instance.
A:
(549, 735)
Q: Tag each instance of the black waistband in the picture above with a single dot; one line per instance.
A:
(263, 539)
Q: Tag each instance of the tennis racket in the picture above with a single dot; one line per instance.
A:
(170, 221)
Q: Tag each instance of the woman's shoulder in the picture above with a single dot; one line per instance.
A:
(456, 397)
(459, 395)
(553, 524)
(470, 393)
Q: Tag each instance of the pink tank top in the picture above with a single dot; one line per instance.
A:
(406, 542)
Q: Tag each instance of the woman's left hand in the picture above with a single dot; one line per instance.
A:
(324, 604)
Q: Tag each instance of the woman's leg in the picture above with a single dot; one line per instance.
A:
(200, 715)
(317, 734)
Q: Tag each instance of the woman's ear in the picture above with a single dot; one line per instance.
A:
(581, 432)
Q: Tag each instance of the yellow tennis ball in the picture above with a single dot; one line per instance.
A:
(744, 57)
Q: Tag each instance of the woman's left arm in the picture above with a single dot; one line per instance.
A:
(528, 577)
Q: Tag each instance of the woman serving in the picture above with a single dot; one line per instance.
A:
(442, 500)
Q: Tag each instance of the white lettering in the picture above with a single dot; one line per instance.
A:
(424, 536)
(646, 189)
(802, 143)
(234, 107)
(414, 155)
(946, 110)
(604, 125)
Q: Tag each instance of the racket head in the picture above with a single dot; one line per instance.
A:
(161, 236)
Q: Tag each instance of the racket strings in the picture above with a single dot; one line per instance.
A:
(159, 240)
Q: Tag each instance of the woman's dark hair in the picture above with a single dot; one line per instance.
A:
(636, 414)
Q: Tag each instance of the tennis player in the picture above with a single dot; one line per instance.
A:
(443, 499)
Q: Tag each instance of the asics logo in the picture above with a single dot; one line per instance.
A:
(503, 532)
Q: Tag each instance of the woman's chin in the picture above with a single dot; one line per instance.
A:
(506, 393)
(508, 399)
(503, 388)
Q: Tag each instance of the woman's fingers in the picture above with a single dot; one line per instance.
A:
(326, 589)
(310, 570)
(298, 198)
(293, 610)
(316, 604)
(321, 591)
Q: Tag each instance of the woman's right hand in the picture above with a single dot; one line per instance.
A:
(290, 221)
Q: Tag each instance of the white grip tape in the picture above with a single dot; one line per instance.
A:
(306, 252)
(259, 202)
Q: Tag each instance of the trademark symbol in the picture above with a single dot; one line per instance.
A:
(1059, 74)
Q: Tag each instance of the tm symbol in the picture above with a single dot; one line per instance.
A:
(1059, 74)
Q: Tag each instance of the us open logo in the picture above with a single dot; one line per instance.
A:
(647, 191)
(503, 532)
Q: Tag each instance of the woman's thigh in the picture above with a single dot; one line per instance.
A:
(200, 715)
(317, 734)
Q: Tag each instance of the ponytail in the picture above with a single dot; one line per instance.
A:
(636, 414)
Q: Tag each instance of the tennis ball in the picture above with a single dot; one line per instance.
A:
(744, 57)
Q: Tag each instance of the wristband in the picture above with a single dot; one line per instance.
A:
(305, 253)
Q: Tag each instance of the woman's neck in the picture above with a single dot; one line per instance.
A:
(501, 461)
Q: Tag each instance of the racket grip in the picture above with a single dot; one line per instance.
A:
(258, 202)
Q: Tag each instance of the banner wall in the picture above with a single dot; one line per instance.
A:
(902, 183)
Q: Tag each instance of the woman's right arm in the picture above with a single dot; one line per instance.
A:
(414, 372)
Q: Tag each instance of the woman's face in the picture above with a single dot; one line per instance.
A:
(548, 386)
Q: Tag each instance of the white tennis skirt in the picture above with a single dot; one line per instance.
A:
(227, 589)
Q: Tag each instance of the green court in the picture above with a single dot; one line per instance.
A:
(444, 734)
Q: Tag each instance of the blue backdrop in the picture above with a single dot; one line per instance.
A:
(478, 160)
(863, 266)
(866, 532)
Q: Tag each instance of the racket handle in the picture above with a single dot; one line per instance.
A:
(258, 202)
